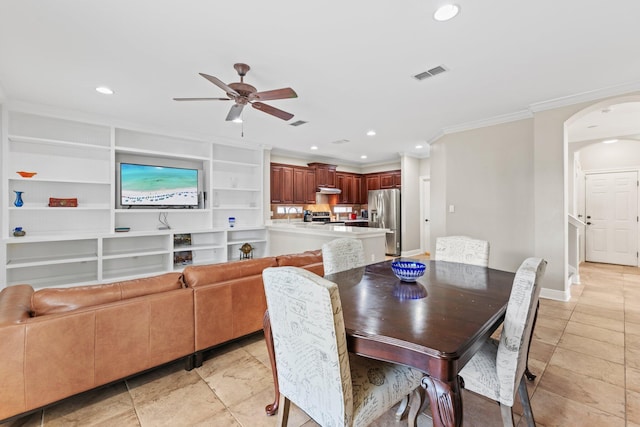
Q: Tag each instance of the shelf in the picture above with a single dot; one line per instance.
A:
(158, 154)
(32, 262)
(122, 274)
(233, 189)
(46, 141)
(60, 181)
(197, 247)
(40, 207)
(249, 240)
(157, 210)
(131, 253)
(60, 281)
(233, 163)
(231, 207)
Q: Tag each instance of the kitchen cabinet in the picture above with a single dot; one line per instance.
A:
(292, 184)
(310, 182)
(344, 182)
(358, 190)
(373, 182)
(325, 174)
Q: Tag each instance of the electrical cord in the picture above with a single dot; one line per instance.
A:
(162, 218)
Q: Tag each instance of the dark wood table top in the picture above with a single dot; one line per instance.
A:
(435, 324)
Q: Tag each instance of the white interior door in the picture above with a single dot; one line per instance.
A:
(425, 209)
(611, 202)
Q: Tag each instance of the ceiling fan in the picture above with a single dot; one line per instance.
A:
(243, 94)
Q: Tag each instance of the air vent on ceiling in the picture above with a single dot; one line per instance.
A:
(340, 141)
(430, 73)
(297, 123)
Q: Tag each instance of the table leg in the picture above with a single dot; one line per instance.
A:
(446, 401)
(271, 408)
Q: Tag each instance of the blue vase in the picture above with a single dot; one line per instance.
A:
(18, 202)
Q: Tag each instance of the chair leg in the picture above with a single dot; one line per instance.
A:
(417, 400)
(402, 409)
(507, 415)
(526, 403)
(283, 410)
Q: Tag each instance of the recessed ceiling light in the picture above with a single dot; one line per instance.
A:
(237, 120)
(104, 90)
(592, 126)
(418, 146)
(446, 12)
(371, 133)
(314, 147)
(363, 156)
(609, 141)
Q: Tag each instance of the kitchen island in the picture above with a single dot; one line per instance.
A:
(285, 238)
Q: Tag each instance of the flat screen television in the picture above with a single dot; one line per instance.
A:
(159, 186)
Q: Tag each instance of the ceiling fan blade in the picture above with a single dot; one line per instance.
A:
(234, 112)
(272, 110)
(201, 99)
(216, 81)
(268, 95)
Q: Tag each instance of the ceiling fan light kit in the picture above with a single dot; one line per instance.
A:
(243, 93)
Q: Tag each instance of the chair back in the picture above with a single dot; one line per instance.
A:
(511, 360)
(462, 249)
(310, 344)
(342, 254)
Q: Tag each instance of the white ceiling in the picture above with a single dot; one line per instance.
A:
(351, 63)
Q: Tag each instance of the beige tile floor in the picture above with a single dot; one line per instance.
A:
(586, 353)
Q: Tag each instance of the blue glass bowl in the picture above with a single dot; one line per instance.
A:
(408, 271)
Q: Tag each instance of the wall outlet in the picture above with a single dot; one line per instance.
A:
(373, 257)
(452, 208)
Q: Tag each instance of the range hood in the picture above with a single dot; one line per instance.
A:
(328, 190)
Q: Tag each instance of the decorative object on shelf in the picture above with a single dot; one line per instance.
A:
(246, 251)
(25, 174)
(408, 271)
(232, 221)
(183, 258)
(18, 202)
(181, 240)
(122, 229)
(19, 232)
(63, 203)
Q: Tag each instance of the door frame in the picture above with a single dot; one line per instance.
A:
(423, 214)
(584, 203)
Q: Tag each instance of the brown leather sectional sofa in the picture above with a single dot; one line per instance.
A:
(57, 342)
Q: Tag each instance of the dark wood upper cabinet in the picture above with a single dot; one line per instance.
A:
(311, 185)
(298, 184)
(373, 182)
(325, 174)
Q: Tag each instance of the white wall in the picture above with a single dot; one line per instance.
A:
(487, 176)
(410, 201)
(622, 154)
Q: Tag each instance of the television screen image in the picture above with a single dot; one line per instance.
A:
(149, 185)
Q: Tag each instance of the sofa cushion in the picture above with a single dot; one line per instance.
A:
(198, 275)
(58, 300)
(301, 259)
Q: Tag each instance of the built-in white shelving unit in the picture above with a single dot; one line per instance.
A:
(67, 246)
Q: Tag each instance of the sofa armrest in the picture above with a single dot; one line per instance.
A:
(15, 304)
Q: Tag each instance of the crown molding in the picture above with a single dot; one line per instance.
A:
(491, 121)
(592, 95)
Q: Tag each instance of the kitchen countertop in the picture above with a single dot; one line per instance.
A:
(326, 229)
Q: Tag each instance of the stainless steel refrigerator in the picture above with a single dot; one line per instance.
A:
(384, 212)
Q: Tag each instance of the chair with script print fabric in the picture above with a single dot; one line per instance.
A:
(462, 249)
(497, 370)
(315, 370)
(342, 254)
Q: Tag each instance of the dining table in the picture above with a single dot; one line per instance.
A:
(435, 324)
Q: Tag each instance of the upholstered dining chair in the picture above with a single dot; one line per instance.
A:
(315, 370)
(342, 254)
(497, 370)
(462, 249)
